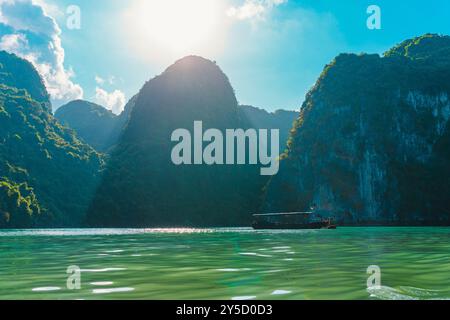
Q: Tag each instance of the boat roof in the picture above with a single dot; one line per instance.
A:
(282, 214)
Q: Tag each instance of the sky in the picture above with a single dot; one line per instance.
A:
(272, 50)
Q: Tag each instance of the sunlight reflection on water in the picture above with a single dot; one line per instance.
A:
(99, 232)
(113, 232)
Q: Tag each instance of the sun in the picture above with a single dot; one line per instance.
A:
(174, 27)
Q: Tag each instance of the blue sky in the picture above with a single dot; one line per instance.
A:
(272, 50)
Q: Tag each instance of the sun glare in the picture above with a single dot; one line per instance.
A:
(174, 27)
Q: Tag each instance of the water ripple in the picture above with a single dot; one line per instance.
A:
(244, 298)
(45, 289)
(103, 270)
(102, 283)
(111, 290)
(280, 292)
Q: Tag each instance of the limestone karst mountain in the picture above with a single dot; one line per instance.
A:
(143, 187)
(372, 143)
(94, 124)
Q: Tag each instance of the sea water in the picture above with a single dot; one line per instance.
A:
(235, 264)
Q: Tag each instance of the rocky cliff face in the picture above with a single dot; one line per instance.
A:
(371, 145)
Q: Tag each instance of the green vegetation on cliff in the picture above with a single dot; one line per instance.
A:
(47, 175)
(18, 205)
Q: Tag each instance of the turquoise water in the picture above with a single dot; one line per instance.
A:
(226, 263)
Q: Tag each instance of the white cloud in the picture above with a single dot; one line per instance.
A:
(13, 42)
(35, 36)
(253, 9)
(114, 101)
(99, 80)
(111, 80)
(50, 9)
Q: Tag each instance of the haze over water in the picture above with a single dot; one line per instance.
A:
(225, 263)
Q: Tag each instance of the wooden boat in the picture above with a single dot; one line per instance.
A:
(291, 220)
